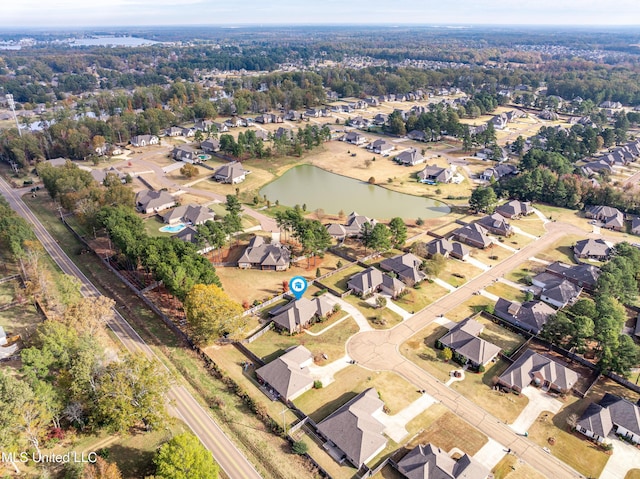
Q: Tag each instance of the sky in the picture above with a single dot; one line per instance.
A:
(79, 13)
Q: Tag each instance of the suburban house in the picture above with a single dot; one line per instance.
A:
(220, 127)
(173, 131)
(612, 413)
(191, 235)
(515, 209)
(556, 291)
(593, 168)
(192, 214)
(262, 255)
(474, 235)
(297, 315)
(210, 145)
(354, 138)
(101, 175)
(635, 226)
(232, 173)
(354, 429)
(417, 135)
(597, 249)
(447, 248)
(351, 228)
(144, 140)
(433, 174)
(611, 218)
(496, 224)
(530, 316)
(382, 147)
(283, 133)
(148, 201)
(497, 172)
(535, 368)
(203, 125)
(372, 280)
(409, 157)
(185, 153)
(463, 340)
(582, 275)
(406, 266)
(431, 462)
(289, 374)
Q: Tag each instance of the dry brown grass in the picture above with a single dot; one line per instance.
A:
(468, 308)
(420, 349)
(457, 273)
(527, 269)
(510, 467)
(505, 291)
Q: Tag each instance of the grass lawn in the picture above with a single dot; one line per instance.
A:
(334, 318)
(272, 344)
(491, 255)
(517, 241)
(565, 215)
(21, 319)
(528, 269)
(471, 306)
(530, 224)
(510, 467)
(395, 391)
(448, 431)
(571, 448)
(633, 474)
(457, 273)
(339, 280)
(502, 337)
(505, 291)
(152, 226)
(319, 454)
(420, 297)
(561, 250)
(477, 388)
(420, 349)
(7, 291)
(379, 318)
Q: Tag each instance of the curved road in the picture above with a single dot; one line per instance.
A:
(378, 350)
(183, 404)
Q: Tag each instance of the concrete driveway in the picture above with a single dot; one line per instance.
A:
(539, 401)
(355, 313)
(624, 458)
(490, 454)
(395, 425)
(326, 373)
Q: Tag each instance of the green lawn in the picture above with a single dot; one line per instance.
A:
(505, 291)
(7, 291)
(527, 269)
(420, 296)
(457, 273)
(332, 343)
(471, 306)
(395, 391)
(339, 280)
(379, 318)
(561, 250)
(334, 318)
(21, 319)
(152, 226)
(530, 224)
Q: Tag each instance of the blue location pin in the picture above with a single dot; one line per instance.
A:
(298, 285)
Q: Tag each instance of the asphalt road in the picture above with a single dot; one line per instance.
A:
(379, 350)
(182, 403)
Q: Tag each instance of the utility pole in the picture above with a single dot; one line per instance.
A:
(12, 105)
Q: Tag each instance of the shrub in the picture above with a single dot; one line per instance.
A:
(317, 384)
(372, 181)
(300, 448)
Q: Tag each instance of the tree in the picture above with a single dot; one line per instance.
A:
(447, 354)
(483, 199)
(233, 221)
(434, 266)
(381, 301)
(132, 392)
(300, 447)
(184, 457)
(189, 171)
(379, 239)
(211, 314)
(101, 469)
(13, 396)
(398, 231)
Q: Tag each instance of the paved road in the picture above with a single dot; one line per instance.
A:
(378, 350)
(183, 404)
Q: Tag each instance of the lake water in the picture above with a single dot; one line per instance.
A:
(111, 42)
(317, 188)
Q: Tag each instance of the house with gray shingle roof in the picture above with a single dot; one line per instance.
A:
(597, 249)
(210, 145)
(194, 214)
(474, 235)
(635, 226)
(530, 316)
(262, 255)
(352, 227)
(354, 138)
(354, 430)
(231, 173)
(433, 174)
(289, 374)
(148, 201)
(535, 368)
(431, 462)
(382, 147)
(463, 339)
(515, 209)
(144, 140)
(612, 218)
(560, 292)
(372, 280)
(185, 153)
(447, 248)
(496, 224)
(582, 275)
(301, 313)
(410, 157)
(406, 266)
(612, 413)
(191, 235)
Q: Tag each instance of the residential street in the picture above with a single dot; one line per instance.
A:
(379, 350)
(184, 405)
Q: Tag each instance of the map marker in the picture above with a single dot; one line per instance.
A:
(298, 285)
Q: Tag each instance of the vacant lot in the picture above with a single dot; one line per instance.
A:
(492, 255)
(457, 273)
(272, 344)
(530, 224)
(395, 391)
(561, 250)
(565, 215)
(8, 291)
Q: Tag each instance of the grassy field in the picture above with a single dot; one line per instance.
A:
(507, 340)
(510, 467)
(395, 391)
(379, 318)
(565, 215)
(477, 388)
(530, 224)
(457, 273)
(332, 343)
(469, 307)
(7, 291)
(339, 280)
(560, 250)
(490, 256)
(152, 226)
(420, 349)
(505, 291)
(633, 474)
(420, 297)
(528, 269)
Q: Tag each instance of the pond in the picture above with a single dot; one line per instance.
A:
(317, 188)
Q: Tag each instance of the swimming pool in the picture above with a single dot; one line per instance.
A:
(173, 228)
